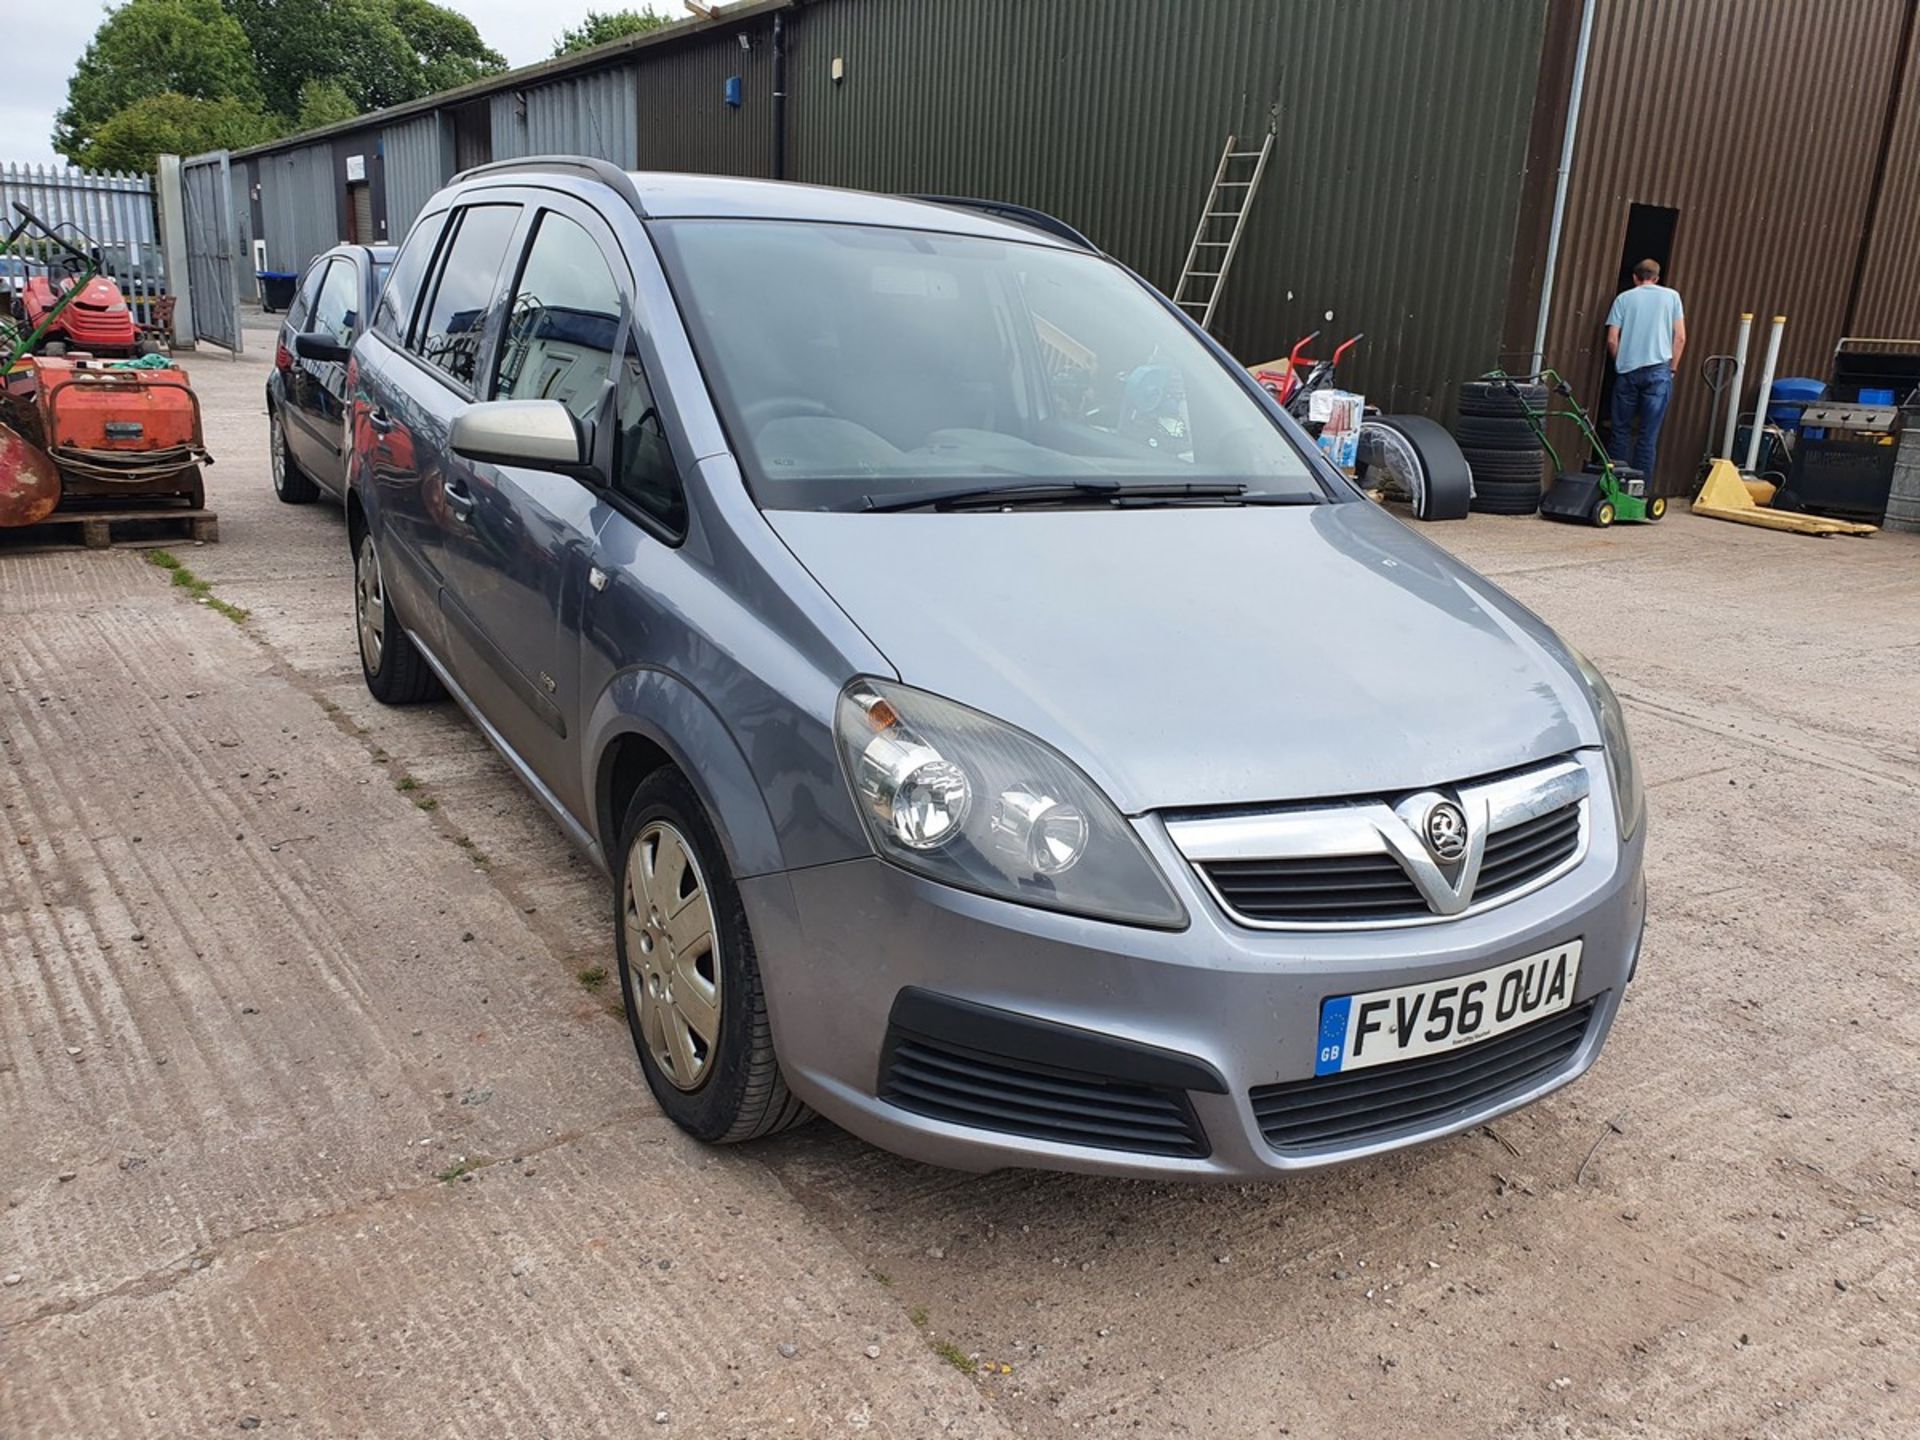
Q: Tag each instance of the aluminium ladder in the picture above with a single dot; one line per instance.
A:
(1210, 256)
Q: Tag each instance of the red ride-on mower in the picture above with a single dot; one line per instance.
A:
(70, 304)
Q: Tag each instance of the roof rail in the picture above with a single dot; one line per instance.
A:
(1019, 214)
(605, 171)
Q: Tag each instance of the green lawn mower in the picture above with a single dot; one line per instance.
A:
(1603, 492)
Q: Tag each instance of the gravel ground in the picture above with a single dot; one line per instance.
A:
(314, 1119)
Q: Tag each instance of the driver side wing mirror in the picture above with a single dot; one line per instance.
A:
(319, 345)
(532, 434)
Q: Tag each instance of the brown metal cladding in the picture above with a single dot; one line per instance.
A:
(1391, 199)
(1889, 303)
(1760, 122)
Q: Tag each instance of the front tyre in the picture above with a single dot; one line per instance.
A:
(689, 976)
(394, 671)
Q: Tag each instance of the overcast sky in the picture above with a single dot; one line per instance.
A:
(47, 36)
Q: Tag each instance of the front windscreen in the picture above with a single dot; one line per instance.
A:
(856, 365)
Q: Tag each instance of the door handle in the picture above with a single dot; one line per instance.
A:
(459, 498)
(597, 578)
(379, 420)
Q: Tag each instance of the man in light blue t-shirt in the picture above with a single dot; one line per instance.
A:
(1646, 334)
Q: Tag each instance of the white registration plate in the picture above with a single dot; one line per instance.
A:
(1382, 1026)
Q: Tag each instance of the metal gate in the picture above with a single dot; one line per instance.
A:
(112, 214)
(206, 185)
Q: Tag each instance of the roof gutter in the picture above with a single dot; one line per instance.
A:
(1561, 183)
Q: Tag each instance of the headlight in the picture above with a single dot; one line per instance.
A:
(1629, 795)
(962, 798)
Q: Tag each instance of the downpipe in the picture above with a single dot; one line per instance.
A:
(1739, 380)
(1766, 393)
(779, 96)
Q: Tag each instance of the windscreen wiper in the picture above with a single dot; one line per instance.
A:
(1224, 493)
(1231, 492)
(1035, 494)
(1279, 497)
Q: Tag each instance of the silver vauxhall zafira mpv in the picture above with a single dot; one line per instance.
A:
(1004, 734)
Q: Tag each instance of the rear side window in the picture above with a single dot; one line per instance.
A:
(336, 309)
(403, 288)
(449, 333)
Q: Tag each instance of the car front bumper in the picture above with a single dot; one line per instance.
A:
(841, 944)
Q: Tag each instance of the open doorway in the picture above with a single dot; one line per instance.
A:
(1650, 232)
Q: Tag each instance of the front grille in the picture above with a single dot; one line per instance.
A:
(1329, 889)
(1420, 1094)
(1526, 851)
(1320, 887)
(966, 1087)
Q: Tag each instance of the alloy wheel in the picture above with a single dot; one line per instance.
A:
(671, 955)
(370, 605)
(277, 446)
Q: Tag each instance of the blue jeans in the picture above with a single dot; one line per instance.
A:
(1643, 393)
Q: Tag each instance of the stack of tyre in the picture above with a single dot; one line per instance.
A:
(1500, 445)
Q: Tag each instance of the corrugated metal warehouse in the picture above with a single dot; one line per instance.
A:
(1767, 152)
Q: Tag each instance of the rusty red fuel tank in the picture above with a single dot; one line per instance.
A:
(29, 481)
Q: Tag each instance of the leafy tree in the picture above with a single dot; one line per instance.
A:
(170, 123)
(598, 29)
(323, 102)
(379, 52)
(446, 45)
(193, 75)
(145, 49)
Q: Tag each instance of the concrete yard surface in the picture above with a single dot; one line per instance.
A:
(315, 1119)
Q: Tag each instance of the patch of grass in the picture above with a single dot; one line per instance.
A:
(918, 1315)
(462, 1166)
(592, 980)
(406, 782)
(956, 1357)
(882, 1277)
(474, 852)
(427, 802)
(617, 1009)
(199, 589)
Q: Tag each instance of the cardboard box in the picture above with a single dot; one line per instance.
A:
(1338, 414)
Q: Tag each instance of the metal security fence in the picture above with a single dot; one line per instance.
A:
(206, 184)
(110, 215)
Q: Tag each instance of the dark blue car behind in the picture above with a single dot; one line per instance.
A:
(306, 408)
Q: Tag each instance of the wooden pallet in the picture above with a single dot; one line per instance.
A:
(99, 529)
